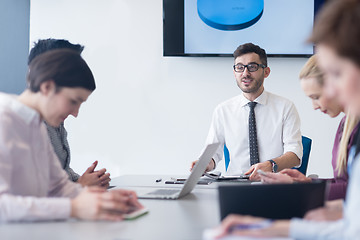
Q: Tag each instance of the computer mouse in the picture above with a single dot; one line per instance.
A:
(230, 14)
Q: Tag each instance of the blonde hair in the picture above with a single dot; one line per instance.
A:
(311, 70)
(350, 123)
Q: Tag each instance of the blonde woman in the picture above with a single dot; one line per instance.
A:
(312, 83)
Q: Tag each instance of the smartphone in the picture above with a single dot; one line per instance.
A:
(135, 214)
(261, 172)
(252, 226)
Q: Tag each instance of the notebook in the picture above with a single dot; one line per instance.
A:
(275, 201)
(190, 183)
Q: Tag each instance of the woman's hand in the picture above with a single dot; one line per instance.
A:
(95, 203)
(252, 226)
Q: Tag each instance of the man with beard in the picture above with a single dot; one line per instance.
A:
(261, 130)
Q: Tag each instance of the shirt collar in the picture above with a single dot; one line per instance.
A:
(262, 99)
(27, 114)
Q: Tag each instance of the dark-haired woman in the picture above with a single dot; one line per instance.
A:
(33, 186)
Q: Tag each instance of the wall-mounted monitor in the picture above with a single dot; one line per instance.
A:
(217, 27)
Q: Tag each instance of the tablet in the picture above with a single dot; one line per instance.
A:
(274, 201)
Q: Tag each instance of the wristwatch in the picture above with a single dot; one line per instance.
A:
(274, 165)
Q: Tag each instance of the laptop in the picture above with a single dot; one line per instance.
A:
(275, 201)
(190, 183)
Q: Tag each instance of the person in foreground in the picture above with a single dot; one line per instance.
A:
(261, 130)
(33, 186)
(58, 134)
(337, 36)
(312, 83)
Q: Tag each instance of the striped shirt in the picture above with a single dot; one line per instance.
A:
(58, 137)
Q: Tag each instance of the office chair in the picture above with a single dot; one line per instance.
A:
(306, 142)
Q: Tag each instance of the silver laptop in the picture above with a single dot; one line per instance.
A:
(196, 173)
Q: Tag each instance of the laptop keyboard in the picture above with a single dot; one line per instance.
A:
(163, 192)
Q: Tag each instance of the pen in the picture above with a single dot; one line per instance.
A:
(158, 180)
(258, 225)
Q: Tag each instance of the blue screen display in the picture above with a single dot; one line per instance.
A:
(219, 26)
(230, 15)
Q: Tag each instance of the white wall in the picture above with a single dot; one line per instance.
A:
(150, 114)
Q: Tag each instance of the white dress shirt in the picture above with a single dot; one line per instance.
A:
(33, 186)
(347, 228)
(277, 124)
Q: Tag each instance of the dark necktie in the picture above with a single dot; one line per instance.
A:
(254, 153)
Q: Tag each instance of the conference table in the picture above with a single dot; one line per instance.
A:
(184, 218)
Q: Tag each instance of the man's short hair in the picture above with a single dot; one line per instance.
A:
(251, 48)
(44, 45)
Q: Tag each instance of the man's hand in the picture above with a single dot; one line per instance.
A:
(265, 166)
(209, 167)
(95, 178)
(95, 203)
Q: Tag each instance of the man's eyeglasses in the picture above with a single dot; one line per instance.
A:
(252, 67)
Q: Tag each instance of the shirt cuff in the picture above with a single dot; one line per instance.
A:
(297, 151)
(299, 229)
(215, 163)
(58, 209)
(303, 229)
(19, 208)
(298, 155)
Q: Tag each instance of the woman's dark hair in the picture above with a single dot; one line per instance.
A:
(65, 67)
(251, 48)
(337, 25)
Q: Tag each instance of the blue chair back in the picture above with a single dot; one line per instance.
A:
(227, 157)
(306, 142)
